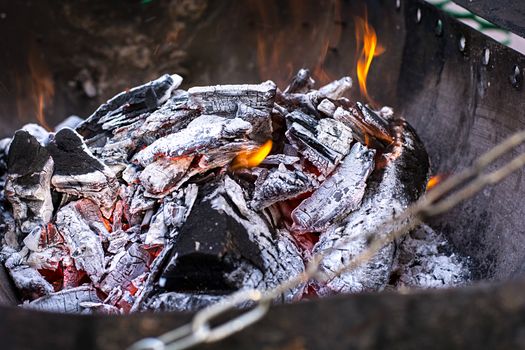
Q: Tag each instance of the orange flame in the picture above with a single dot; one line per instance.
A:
(435, 180)
(367, 48)
(252, 158)
(42, 86)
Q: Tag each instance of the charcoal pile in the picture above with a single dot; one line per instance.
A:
(171, 199)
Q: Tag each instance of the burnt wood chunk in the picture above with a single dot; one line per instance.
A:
(122, 108)
(334, 90)
(301, 83)
(233, 248)
(340, 194)
(29, 282)
(222, 99)
(390, 190)
(84, 243)
(66, 301)
(280, 184)
(203, 133)
(163, 174)
(128, 266)
(28, 183)
(324, 142)
(78, 172)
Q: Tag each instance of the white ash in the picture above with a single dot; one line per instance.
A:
(425, 260)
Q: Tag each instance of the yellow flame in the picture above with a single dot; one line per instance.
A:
(252, 158)
(42, 85)
(368, 48)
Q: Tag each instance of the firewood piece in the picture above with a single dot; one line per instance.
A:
(171, 117)
(122, 108)
(28, 184)
(131, 264)
(327, 107)
(259, 119)
(334, 90)
(301, 82)
(279, 185)
(234, 246)
(390, 190)
(364, 125)
(324, 142)
(84, 244)
(29, 282)
(171, 215)
(222, 99)
(79, 173)
(276, 159)
(66, 301)
(159, 176)
(340, 194)
(202, 133)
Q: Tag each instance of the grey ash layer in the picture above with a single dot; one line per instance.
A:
(137, 207)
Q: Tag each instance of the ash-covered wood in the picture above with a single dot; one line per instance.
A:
(28, 183)
(144, 205)
(66, 301)
(339, 195)
(279, 185)
(78, 172)
(390, 191)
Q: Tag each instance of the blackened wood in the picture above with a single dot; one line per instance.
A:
(7, 293)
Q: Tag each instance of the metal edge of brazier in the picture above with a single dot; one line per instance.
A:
(482, 315)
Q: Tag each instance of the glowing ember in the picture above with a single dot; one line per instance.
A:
(252, 158)
(368, 48)
(435, 180)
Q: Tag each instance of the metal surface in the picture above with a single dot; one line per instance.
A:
(460, 108)
(508, 14)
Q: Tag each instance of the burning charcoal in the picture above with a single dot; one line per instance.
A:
(70, 122)
(124, 107)
(201, 134)
(233, 248)
(327, 107)
(221, 99)
(47, 248)
(301, 83)
(131, 264)
(163, 174)
(79, 173)
(66, 301)
(334, 90)
(340, 194)
(84, 244)
(390, 190)
(169, 118)
(171, 215)
(367, 125)
(323, 143)
(276, 159)
(117, 241)
(259, 119)
(28, 185)
(27, 279)
(280, 184)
